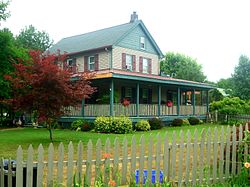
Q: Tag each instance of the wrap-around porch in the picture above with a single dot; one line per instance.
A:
(143, 99)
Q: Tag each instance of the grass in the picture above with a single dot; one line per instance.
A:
(10, 139)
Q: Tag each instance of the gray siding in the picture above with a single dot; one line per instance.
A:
(132, 41)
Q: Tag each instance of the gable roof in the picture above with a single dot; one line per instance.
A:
(100, 39)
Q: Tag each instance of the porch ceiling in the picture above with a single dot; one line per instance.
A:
(135, 76)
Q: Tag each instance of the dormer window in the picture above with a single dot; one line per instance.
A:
(91, 63)
(142, 43)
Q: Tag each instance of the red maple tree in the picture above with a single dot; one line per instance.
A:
(41, 85)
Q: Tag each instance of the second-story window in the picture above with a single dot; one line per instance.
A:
(91, 63)
(129, 61)
(71, 62)
(142, 43)
(145, 65)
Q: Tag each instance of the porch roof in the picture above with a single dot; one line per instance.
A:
(136, 76)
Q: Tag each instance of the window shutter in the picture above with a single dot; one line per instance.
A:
(150, 66)
(86, 63)
(122, 93)
(133, 63)
(150, 96)
(140, 64)
(123, 60)
(133, 95)
(96, 62)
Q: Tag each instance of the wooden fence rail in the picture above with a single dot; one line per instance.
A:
(208, 157)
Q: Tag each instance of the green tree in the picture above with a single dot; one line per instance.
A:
(241, 78)
(3, 8)
(182, 67)
(33, 39)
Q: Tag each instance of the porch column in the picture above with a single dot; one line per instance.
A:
(193, 100)
(178, 100)
(137, 99)
(111, 101)
(159, 100)
(207, 95)
(83, 103)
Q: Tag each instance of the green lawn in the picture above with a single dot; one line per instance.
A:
(12, 138)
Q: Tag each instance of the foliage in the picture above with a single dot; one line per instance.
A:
(117, 125)
(182, 67)
(81, 124)
(41, 85)
(32, 39)
(177, 122)
(142, 125)
(231, 106)
(185, 122)
(3, 8)
(155, 123)
(194, 120)
(241, 78)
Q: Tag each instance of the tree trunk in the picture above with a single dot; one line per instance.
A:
(50, 132)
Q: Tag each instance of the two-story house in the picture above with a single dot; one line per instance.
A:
(126, 60)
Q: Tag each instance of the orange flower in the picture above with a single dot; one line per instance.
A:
(247, 165)
(106, 155)
(112, 183)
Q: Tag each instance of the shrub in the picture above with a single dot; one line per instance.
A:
(117, 125)
(103, 124)
(155, 123)
(193, 121)
(142, 125)
(86, 126)
(185, 122)
(177, 122)
(76, 124)
(121, 125)
(81, 125)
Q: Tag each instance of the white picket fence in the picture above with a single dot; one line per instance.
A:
(207, 157)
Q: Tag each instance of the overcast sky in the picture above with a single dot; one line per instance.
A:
(215, 32)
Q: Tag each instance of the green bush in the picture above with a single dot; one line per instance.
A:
(121, 125)
(155, 123)
(177, 122)
(193, 121)
(185, 122)
(142, 125)
(103, 124)
(81, 125)
(117, 125)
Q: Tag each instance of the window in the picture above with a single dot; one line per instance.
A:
(71, 62)
(128, 92)
(91, 63)
(129, 61)
(142, 43)
(145, 65)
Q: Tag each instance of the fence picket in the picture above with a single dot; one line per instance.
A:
(50, 165)
(239, 144)
(40, 166)
(158, 156)
(116, 159)
(133, 157)
(221, 160)
(98, 159)
(150, 160)
(29, 175)
(79, 162)
(215, 155)
(246, 147)
(202, 155)
(180, 165)
(10, 166)
(107, 162)
(70, 164)
(228, 136)
(173, 158)
(166, 157)
(89, 163)
(60, 164)
(187, 172)
(208, 149)
(141, 162)
(234, 151)
(195, 153)
(19, 167)
(124, 161)
(2, 172)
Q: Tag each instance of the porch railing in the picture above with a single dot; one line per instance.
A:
(144, 110)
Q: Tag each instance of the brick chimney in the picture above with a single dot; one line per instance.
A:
(133, 17)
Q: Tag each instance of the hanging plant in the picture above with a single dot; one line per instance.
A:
(169, 103)
(125, 102)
